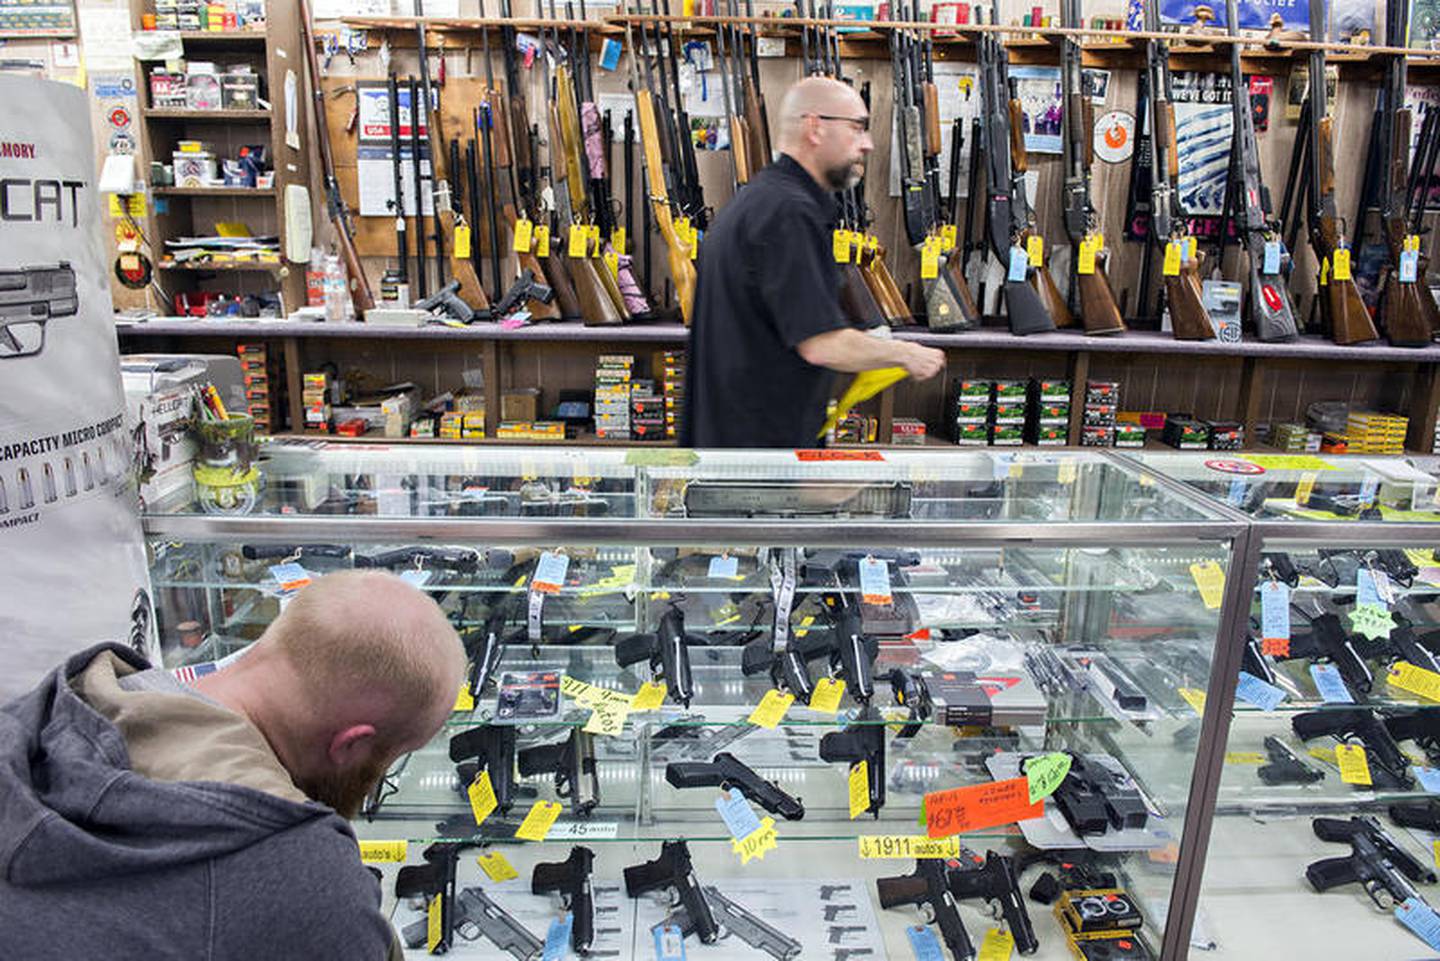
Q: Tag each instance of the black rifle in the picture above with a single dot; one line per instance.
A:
(1007, 210)
(919, 203)
(486, 128)
(1376, 861)
(422, 283)
(693, 202)
(1271, 311)
(432, 140)
(726, 771)
(570, 879)
(572, 762)
(862, 740)
(492, 748)
(929, 886)
(673, 870)
(462, 560)
(667, 650)
(996, 880)
(402, 246)
(1389, 767)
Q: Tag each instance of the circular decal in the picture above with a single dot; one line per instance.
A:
(1234, 467)
(122, 142)
(1114, 136)
(119, 117)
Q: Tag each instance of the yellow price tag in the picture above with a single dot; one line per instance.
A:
(612, 263)
(1416, 680)
(1412, 242)
(383, 852)
(538, 822)
(1194, 697)
(1017, 471)
(859, 789)
(771, 709)
(650, 696)
(826, 698)
(1244, 757)
(1067, 472)
(607, 718)
(134, 202)
(1085, 261)
(929, 260)
(542, 241)
(524, 236)
(462, 241)
(997, 946)
(1304, 488)
(754, 845)
(907, 846)
(840, 246)
(1172, 259)
(482, 796)
(578, 241)
(949, 237)
(434, 922)
(1354, 766)
(1035, 250)
(1342, 263)
(1210, 580)
(496, 868)
(617, 240)
(463, 700)
(1435, 850)
(1324, 271)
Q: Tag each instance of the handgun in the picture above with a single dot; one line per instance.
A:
(1424, 815)
(1389, 767)
(485, 648)
(852, 651)
(462, 560)
(572, 762)
(1418, 724)
(845, 954)
(476, 910)
(1074, 871)
(667, 652)
(862, 740)
(828, 891)
(833, 911)
(1404, 644)
(570, 879)
(446, 302)
(837, 932)
(751, 928)
(1285, 766)
(996, 880)
(524, 289)
(1327, 641)
(492, 746)
(1376, 861)
(725, 771)
(673, 870)
(435, 878)
(927, 886)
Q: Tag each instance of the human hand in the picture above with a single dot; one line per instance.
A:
(922, 362)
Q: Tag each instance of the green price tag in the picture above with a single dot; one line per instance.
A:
(1045, 774)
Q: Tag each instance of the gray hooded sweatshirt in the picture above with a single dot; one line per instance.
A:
(149, 825)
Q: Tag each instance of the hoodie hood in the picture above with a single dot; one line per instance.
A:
(72, 808)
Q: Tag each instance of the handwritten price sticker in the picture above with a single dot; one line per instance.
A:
(771, 709)
(907, 846)
(859, 789)
(1354, 766)
(997, 946)
(607, 718)
(755, 845)
(496, 868)
(434, 923)
(1372, 621)
(550, 573)
(1210, 581)
(650, 696)
(980, 806)
(826, 698)
(383, 852)
(1416, 680)
(1046, 773)
(482, 797)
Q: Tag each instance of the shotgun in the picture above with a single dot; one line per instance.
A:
(397, 202)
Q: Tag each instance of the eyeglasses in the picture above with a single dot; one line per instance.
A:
(861, 124)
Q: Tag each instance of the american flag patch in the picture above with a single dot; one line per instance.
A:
(190, 673)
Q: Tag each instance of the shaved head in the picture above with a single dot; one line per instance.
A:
(824, 127)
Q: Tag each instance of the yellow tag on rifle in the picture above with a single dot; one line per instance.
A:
(463, 700)
(482, 796)
(524, 236)
(496, 868)
(1324, 271)
(1412, 242)
(537, 823)
(1303, 489)
(771, 709)
(859, 789)
(462, 241)
(576, 246)
(1210, 580)
(383, 852)
(1172, 259)
(542, 241)
(617, 240)
(872, 242)
(949, 236)
(1342, 263)
(1085, 262)
(434, 922)
(612, 263)
(840, 245)
(592, 239)
(826, 698)
(1191, 245)
(1035, 248)
(930, 259)
(1354, 766)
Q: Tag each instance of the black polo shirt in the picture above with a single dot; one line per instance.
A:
(767, 281)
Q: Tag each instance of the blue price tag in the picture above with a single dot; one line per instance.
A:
(924, 943)
(669, 943)
(1275, 609)
(557, 939)
(1365, 589)
(724, 566)
(1409, 266)
(1330, 684)
(1260, 693)
(551, 570)
(1421, 919)
(1272, 257)
(1237, 492)
(1369, 487)
(288, 573)
(874, 581)
(1019, 264)
(416, 578)
(738, 815)
(610, 54)
(1429, 778)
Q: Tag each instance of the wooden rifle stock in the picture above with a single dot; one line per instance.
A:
(1100, 313)
(608, 280)
(740, 148)
(462, 268)
(757, 148)
(1342, 308)
(955, 264)
(1018, 160)
(682, 269)
(1044, 284)
(528, 261)
(1189, 320)
(596, 304)
(857, 300)
(887, 291)
(1406, 312)
(932, 119)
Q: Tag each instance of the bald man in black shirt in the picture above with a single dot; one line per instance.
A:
(768, 328)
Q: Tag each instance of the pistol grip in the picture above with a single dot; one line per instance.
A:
(1330, 873)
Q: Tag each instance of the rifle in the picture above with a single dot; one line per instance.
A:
(486, 125)
(679, 252)
(422, 283)
(397, 203)
(1090, 292)
(757, 118)
(434, 137)
(1271, 311)
(734, 123)
(1007, 220)
(1189, 320)
(452, 219)
(1342, 310)
(360, 296)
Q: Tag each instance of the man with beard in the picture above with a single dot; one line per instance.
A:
(767, 329)
(143, 817)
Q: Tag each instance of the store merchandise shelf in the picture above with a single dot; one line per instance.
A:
(205, 116)
(213, 191)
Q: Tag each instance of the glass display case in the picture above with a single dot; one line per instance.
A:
(847, 652)
(1326, 819)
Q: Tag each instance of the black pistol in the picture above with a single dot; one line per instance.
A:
(667, 652)
(492, 748)
(673, 870)
(1375, 861)
(928, 886)
(996, 880)
(725, 771)
(862, 740)
(570, 879)
(572, 762)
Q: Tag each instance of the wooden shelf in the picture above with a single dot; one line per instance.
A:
(584, 440)
(219, 268)
(205, 116)
(213, 191)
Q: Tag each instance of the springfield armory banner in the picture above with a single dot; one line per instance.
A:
(74, 564)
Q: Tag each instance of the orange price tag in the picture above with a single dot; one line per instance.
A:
(1275, 646)
(964, 809)
(819, 455)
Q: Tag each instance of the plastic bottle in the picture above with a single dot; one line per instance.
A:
(337, 299)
